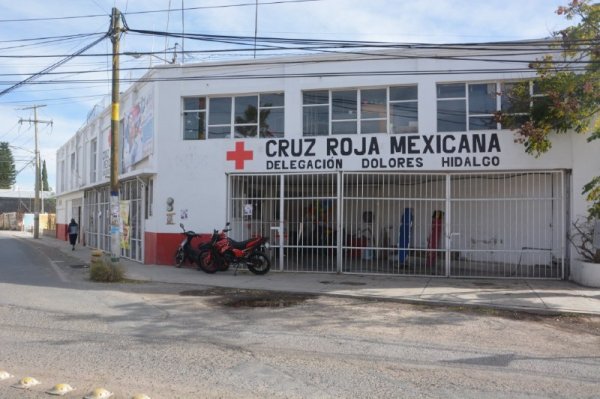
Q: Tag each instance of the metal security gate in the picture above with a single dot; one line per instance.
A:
(507, 225)
(97, 218)
(465, 225)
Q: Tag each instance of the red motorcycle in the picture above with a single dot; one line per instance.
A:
(222, 251)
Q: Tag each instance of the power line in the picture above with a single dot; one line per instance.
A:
(152, 11)
(53, 66)
(31, 39)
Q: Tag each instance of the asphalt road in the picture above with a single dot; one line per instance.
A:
(183, 341)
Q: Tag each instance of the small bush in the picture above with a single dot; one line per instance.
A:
(104, 271)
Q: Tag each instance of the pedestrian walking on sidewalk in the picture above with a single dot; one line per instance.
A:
(73, 231)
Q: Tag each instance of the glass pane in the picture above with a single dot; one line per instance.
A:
(193, 126)
(219, 132)
(373, 103)
(482, 123)
(367, 127)
(343, 104)
(451, 116)
(220, 111)
(245, 131)
(401, 93)
(246, 109)
(271, 100)
(315, 97)
(271, 122)
(315, 121)
(515, 97)
(194, 103)
(343, 127)
(404, 117)
(453, 90)
(482, 98)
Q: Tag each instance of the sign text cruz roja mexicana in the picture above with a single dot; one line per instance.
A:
(387, 152)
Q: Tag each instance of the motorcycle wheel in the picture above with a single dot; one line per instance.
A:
(206, 262)
(179, 257)
(259, 263)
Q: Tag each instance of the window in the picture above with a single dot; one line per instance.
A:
(404, 115)
(373, 111)
(315, 113)
(451, 108)
(513, 106)
(93, 159)
(194, 117)
(462, 107)
(259, 115)
(482, 105)
(362, 111)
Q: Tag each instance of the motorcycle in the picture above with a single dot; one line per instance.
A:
(222, 251)
(186, 252)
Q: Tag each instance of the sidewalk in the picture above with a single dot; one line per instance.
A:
(540, 296)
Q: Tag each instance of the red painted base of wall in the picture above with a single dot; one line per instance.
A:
(160, 248)
(61, 232)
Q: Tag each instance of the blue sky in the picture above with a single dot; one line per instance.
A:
(68, 103)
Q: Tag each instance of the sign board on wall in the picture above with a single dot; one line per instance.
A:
(398, 152)
(138, 132)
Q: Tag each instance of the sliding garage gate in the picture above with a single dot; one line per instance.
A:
(464, 225)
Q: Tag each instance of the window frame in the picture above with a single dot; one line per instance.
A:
(499, 95)
(230, 128)
(358, 112)
(199, 111)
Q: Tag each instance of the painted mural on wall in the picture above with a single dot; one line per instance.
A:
(138, 132)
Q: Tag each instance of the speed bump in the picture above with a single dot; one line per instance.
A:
(98, 393)
(140, 396)
(26, 383)
(4, 375)
(60, 389)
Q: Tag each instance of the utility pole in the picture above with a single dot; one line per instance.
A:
(36, 202)
(115, 214)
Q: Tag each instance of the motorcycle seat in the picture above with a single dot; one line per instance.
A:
(240, 244)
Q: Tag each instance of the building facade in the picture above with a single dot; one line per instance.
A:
(390, 163)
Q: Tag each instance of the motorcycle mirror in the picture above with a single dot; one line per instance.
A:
(181, 225)
(227, 224)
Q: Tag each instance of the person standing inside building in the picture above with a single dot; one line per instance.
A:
(73, 231)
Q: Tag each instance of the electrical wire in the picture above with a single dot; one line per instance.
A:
(53, 66)
(151, 11)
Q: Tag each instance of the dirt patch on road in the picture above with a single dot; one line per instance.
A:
(240, 298)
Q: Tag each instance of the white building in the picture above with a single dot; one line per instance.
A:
(361, 163)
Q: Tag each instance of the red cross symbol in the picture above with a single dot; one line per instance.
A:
(239, 155)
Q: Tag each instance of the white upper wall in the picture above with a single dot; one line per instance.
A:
(192, 171)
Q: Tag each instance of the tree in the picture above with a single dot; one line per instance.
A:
(45, 186)
(8, 172)
(569, 86)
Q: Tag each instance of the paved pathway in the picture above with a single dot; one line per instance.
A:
(530, 295)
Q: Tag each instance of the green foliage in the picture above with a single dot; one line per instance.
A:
(45, 186)
(8, 172)
(106, 272)
(569, 83)
(569, 86)
(592, 192)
